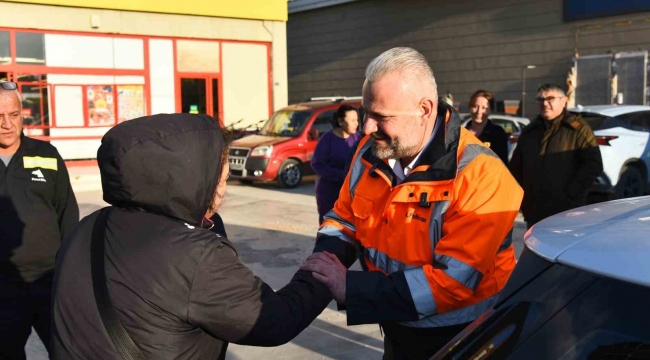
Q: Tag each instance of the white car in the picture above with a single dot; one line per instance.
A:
(578, 292)
(511, 124)
(622, 132)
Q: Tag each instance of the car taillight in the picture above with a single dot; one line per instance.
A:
(604, 140)
(513, 138)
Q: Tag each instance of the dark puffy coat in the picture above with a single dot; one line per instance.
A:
(179, 289)
(555, 178)
(495, 138)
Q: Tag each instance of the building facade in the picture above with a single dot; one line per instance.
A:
(505, 46)
(84, 66)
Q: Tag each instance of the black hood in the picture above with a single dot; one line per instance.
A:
(166, 164)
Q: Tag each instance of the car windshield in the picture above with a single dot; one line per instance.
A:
(286, 123)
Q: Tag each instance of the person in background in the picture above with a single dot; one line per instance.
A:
(481, 104)
(331, 156)
(37, 210)
(557, 158)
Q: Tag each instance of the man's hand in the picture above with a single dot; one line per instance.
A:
(327, 269)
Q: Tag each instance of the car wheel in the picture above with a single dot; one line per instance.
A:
(290, 174)
(630, 184)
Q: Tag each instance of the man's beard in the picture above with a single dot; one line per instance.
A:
(393, 149)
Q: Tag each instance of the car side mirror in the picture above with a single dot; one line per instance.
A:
(313, 134)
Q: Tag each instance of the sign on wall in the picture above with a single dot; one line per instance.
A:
(101, 105)
(130, 100)
(588, 9)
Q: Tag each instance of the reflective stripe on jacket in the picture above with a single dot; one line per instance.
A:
(446, 227)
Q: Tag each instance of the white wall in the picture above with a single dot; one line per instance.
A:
(161, 75)
(245, 83)
(65, 79)
(78, 148)
(69, 105)
(129, 53)
(82, 51)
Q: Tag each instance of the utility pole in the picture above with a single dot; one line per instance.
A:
(523, 89)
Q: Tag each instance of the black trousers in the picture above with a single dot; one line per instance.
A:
(23, 305)
(408, 343)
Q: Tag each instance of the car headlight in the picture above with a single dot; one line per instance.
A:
(264, 150)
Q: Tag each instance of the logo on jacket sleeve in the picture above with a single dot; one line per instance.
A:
(38, 176)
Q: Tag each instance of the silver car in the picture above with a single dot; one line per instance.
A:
(511, 124)
(579, 291)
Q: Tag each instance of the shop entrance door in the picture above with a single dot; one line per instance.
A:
(199, 95)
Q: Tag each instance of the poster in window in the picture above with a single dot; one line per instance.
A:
(101, 105)
(130, 100)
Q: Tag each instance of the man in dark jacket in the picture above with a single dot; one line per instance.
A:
(556, 159)
(180, 290)
(37, 209)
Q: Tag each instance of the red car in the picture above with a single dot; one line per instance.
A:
(285, 145)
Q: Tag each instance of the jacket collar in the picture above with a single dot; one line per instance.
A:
(489, 127)
(567, 119)
(26, 142)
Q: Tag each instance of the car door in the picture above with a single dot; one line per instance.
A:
(509, 126)
(640, 122)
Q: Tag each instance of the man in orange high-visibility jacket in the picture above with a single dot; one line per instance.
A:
(426, 207)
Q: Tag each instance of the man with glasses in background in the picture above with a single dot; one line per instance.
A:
(556, 159)
(37, 209)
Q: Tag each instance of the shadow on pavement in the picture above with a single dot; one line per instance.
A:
(305, 188)
(338, 342)
(274, 256)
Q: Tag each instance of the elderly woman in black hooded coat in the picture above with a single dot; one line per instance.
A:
(146, 278)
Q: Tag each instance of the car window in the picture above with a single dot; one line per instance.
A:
(639, 121)
(324, 122)
(286, 123)
(507, 125)
(600, 323)
(536, 291)
(601, 122)
(549, 311)
(361, 115)
(626, 350)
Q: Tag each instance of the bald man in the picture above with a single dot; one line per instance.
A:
(37, 209)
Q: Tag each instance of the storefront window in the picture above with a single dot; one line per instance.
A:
(100, 105)
(30, 48)
(35, 105)
(31, 78)
(5, 49)
(130, 100)
(193, 96)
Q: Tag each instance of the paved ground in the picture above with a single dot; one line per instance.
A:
(274, 230)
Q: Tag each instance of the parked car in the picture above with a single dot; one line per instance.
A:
(622, 133)
(511, 124)
(579, 291)
(283, 148)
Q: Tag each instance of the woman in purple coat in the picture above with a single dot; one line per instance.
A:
(330, 156)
